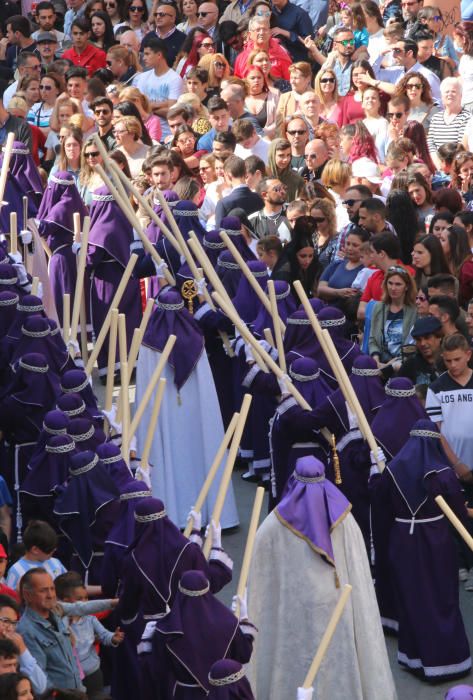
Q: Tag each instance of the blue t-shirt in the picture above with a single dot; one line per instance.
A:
(338, 277)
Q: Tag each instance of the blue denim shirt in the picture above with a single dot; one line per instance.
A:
(51, 646)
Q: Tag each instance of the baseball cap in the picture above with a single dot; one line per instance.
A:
(426, 326)
(46, 36)
(364, 167)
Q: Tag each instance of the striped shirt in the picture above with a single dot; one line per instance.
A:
(53, 566)
(440, 132)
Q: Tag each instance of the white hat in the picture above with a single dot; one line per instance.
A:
(364, 167)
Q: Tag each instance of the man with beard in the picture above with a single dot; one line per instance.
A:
(103, 114)
(341, 64)
(271, 220)
(354, 196)
(425, 366)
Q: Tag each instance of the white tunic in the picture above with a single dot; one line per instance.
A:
(291, 595)
(187, 436)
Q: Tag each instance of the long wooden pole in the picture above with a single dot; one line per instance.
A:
(212, 471)
(456, 522)
(35, 286)
(13, 232)
(250, 541)
(125, 402)
(114, 305)
(277, 327)
(66, 316)
(327, 636)
(112, 353)
(152, 383)
(152, 424)
(227, 473)
(6, 164)
(79, 290)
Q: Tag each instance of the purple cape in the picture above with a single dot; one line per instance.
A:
(75, 381)
(158, 545)
(30, 305)
(60, 201)
(365, 380)
(199, 629)
(9, 279)
(170, 317)
(186, 214)
(229, 272)
(33, 383)
(8, 305)
(232, 226)
(286, 306)
(421, 455)
(73, 406)
(305, 374)
(245, 301)
(78, 506)
(312, 506)
(36, 335)
(55, 423)
(49, 468)
(123, 531)
(228, 681)
(401, 409)
(460, 692)
(213, 246)
(112, 461)
(85, 434)
(24, 179)
(334, 321)
(299, 336)
(170, 255)
(316, 303)
(153, 231)
(106, 219)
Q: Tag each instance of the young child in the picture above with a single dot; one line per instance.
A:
(366, 259)
(269, 251)
(40, 542)
(86, 629)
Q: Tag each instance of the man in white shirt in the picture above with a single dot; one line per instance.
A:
(405, 59)
(161, 85)
(248, 141)
(28, 65)
(46, 19)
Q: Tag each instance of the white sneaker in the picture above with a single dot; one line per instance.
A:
(462, 574)
(469, 581)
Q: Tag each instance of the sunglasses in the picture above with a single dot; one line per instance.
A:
(204, 14)
(207, 45)
(346, 42)
(136, 8)
(297, 132)
(46, 87)
(110, 5)
(414, 86)
(398, 50)
(310, 156)
(391, 115)
(163, 14)
(437, 18)
(351, 202)
(421, 298)
(92, 154)
(319, 219)
(218, 64)
(327, 80)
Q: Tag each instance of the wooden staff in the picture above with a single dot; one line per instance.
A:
(212, 472)
(456, 522)
(268, 336)
(83, 239)
(66, 316)
(196, 247)
(152, 424)
(249, 276)
(35, 286)
(125, 401)
(227, 473)
(277, 327)
(327, 636)
(340, 373)
(114, 305)
(83, 331)
(25, 212)
(122, 338)
(135, 223)
(13, 232)
(112, 353)
(152, 383)
(250, 541)
(7, 150)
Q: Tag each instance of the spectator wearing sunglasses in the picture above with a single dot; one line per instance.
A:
(326, 89)
(340, 61)
(165, 16)
(207, 17)
(137, 17)
(431, 18)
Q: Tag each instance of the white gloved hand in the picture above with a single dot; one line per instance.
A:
(111, 416)
(160, 268)
(249, 354)
(21, 273)
(283, 381)
(16, 257)
(76, 248)
(352, 418)
(305, 693)
(381, 457)
(196, 515)
(216, 534)
(265, 345)
(26, 237)
(74, 346)
(143, 475)
(201, 286)
(243, 606)
(40, 290)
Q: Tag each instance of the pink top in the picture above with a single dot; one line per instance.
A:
(154, 127)
(350, 110)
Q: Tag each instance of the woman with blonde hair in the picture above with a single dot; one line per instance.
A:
(69, 154)
(336, 178)
(89, 180)
(124, 65)
(128, 133)
(326, 89)
(218, 69)
(300, 75)
(61, 115)
(141, 102)
(201, 124)
(28, 87)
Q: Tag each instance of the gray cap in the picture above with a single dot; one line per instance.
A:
(46, 36)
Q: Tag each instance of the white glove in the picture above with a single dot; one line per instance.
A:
(40, 290)
(143, 475)
(76, 248)
(243, 606)
(16, 257)
(249, 354)
(74, 346)
(352, 419)
(196, 515)
(216, 533)
(283, 381)
(381, 457)
(160, 268)
(265, 345)
(111, 416)
(26, 237)
(305, 693)
(21, 273)
(201, 286)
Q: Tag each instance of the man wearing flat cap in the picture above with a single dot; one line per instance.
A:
(425, 365)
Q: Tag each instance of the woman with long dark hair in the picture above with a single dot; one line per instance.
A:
(402, 215)
(299, 260)
(416, 87)
(416, 133)
(101, 34)
(350, 106)
(137, 17)
(428, 259)
(421, 194)
(454, 242)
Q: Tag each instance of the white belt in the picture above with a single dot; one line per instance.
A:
(303, 445)
(347, 438)
(414, 520)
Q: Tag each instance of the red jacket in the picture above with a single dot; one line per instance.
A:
(92, 58)
(279, 57)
